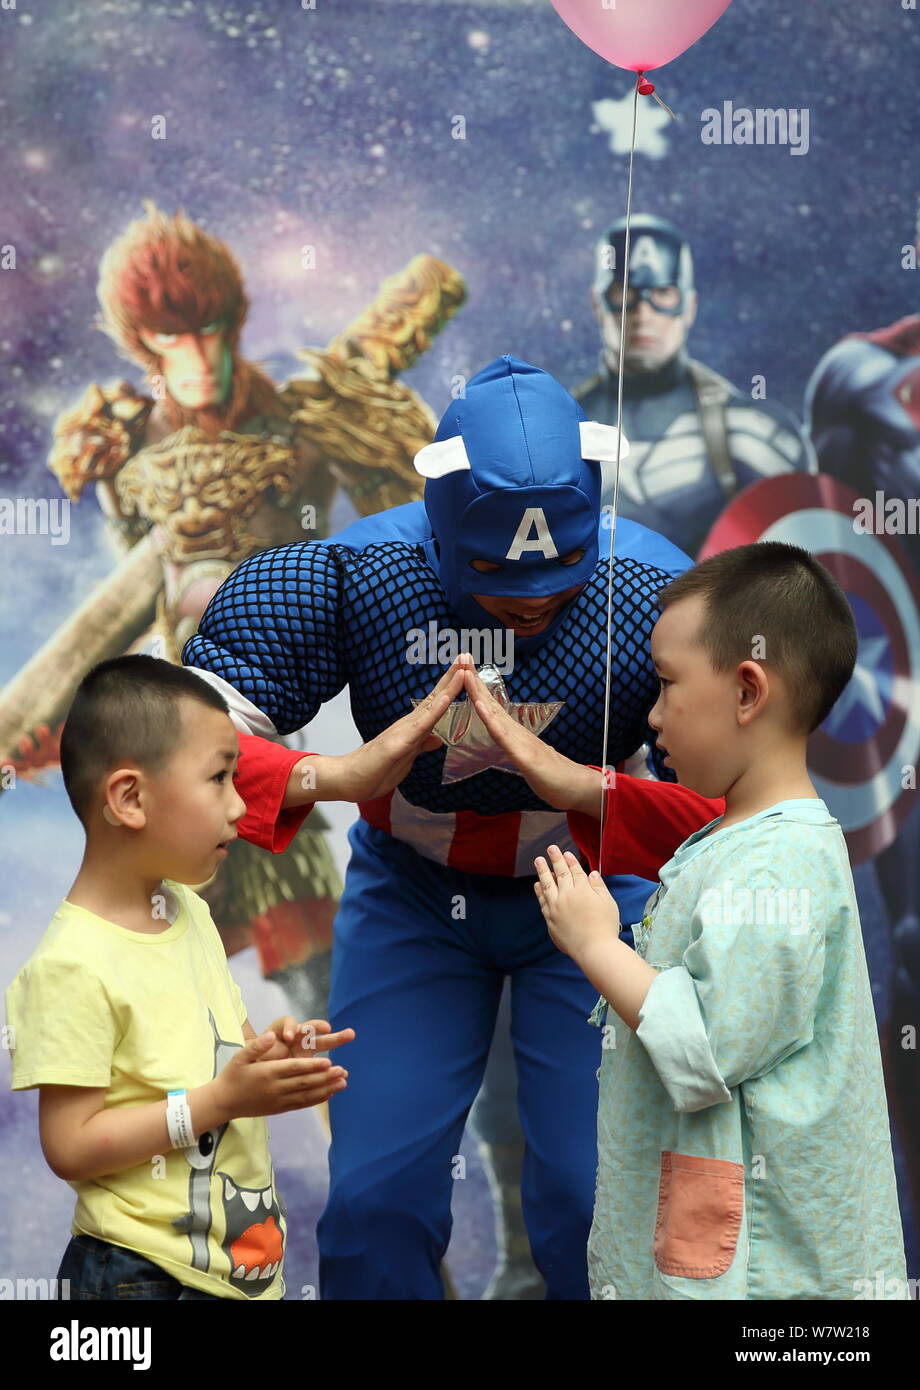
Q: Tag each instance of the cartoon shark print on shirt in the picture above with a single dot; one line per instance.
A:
(253, 1241)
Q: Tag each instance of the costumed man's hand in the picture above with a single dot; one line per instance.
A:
(577, 908)
(381, 764)
(556, 779)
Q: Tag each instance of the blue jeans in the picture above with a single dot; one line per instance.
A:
(99, 1270)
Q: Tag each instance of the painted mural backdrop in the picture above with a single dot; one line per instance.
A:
(341, 170)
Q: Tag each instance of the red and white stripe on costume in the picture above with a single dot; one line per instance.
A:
(644, 821)
(505, 845)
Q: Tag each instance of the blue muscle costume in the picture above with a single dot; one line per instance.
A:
(438, 904)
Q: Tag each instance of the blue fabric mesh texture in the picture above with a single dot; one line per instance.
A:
(292, 626)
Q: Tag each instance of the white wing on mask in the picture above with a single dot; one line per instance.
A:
(598, 442)
(441, 457)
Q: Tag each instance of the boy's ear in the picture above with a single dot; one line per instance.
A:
(122, 804)
(753, 690)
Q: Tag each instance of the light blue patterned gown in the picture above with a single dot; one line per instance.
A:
(743, 1142)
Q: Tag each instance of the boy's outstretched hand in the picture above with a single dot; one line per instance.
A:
(561, 783)
(578, 908)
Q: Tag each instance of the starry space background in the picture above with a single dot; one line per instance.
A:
(332, 126)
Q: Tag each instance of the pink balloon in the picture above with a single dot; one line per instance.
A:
(639, 34)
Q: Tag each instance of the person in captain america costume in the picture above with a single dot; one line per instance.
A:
(438, 903)
(695, 439)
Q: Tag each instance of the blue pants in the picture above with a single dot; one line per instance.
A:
(418, 960)
(97, 1269)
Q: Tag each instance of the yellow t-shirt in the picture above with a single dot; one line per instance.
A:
(141, 1015)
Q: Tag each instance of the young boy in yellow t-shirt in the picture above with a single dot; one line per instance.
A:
(153, 1085)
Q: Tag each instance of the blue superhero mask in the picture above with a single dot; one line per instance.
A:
(514, 478)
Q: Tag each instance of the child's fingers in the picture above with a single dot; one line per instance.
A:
(306, 1099)
(311, 1085)
(574, 866)
(561, 867)
(542, 902)
(293, 1071)
(547, 882)
(323, 1081)
(311, 1036)
(313, 1093)
(290, 1086)
(326, 1042)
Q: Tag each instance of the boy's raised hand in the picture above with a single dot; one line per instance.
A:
(251, 1085)
(556, 779)
(293, 1039)
(578, 909)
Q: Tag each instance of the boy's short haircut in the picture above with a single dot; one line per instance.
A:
(782, 595)
(126, 711)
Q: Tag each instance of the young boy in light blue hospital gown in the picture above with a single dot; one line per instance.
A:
(743, 1140)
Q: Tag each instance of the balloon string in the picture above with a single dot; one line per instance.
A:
(647, 89)
(609, 773)
(664, 104)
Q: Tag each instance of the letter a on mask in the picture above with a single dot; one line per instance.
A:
(543, 541)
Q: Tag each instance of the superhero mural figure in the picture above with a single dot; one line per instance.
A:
(695, 439)
(216, 464)
(862, 407)
(438, 906)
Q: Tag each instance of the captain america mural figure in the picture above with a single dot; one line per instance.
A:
(438, 907)
(695, 439)
(862, 408)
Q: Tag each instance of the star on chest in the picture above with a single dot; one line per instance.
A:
(470, 748)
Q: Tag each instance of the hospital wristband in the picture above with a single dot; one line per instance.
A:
(179, 1120)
